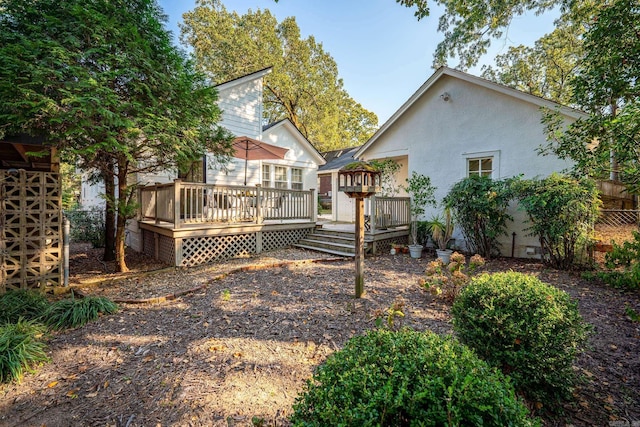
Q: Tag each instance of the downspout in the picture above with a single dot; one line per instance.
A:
(513, 243)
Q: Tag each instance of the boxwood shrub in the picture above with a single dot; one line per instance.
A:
(530, 330)
(387, 378)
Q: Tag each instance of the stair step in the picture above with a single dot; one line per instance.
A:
(325, 250)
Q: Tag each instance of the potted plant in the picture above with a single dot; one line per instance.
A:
(441, 230)
(421, 192)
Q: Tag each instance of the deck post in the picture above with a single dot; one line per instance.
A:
(176, 202)
(372, 215)
(314, 206)
(259, 216)
(155, 203)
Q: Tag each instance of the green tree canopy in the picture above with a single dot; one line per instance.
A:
(607, 87)
(304, 85)
(101, 79)
(543, 70)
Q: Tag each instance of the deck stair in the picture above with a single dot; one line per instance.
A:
(340, 243)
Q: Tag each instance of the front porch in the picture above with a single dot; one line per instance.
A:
(189, 224)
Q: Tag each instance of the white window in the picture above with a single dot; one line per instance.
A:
(296, 179)
(482, 166)
(266, 175)
(281, 180)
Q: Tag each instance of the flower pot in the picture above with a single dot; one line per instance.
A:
(444, 255)
(415, 251)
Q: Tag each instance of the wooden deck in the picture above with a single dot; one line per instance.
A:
(188, 224)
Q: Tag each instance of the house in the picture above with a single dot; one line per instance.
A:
(342, 207)
(31, 220)
(456, 125)
(215, 211)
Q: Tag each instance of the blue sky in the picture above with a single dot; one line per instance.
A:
(383, 53)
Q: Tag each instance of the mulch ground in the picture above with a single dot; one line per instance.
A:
(239, 346)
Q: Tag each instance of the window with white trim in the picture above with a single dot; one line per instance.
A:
(281, 180)
(266, 175)
(480, 166)
(296, 179)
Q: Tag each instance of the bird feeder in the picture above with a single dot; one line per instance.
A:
(359, 180)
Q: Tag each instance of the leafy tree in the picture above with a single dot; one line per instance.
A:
(607, 86)
(303, 86)
(543, 70)
(562, 211)
(102, 80)
(479, 206)
(388, 169)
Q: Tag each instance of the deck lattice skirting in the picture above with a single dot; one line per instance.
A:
(197, 250)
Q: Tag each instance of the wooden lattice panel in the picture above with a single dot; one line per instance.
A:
(281, 239)
(30, 230)
(202, 250)
(166, 249)
(384, 246)
(148, 243)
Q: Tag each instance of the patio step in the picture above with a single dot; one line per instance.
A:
(332, 242)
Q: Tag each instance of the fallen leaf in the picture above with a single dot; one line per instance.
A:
(106, 384)
(72, 393)
(52, 384)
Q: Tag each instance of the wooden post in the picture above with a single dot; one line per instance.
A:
(259, 215)
(176, 203)
(313, 205)
(359, 247)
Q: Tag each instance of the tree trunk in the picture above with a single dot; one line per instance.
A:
(109, 214)
(122, 219)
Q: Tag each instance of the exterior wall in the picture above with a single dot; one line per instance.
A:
(299, 156)
(241, 107)
(438, 136)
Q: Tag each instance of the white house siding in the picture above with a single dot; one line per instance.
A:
(438, 136)
(241, 107)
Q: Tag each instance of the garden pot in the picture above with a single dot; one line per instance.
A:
(444, 255)
(415, 251)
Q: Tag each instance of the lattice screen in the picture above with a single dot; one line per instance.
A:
(280, 239)
(30, 230)
(201, 250)
(384, 246)
(166, 250)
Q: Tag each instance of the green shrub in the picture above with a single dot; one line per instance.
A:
(562, 211)
(26, 304)
(20, 349)
(75, 312)
(530, 330)
(391, 378)
(623, 263)
(87, 226)
(479, 205)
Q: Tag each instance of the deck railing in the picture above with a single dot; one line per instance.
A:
(387, 212)
(195, 203)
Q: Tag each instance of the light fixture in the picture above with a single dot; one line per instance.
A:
(445, 96)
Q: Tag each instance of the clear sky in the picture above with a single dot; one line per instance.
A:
(383, 53)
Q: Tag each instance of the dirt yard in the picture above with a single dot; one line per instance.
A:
(232, 344)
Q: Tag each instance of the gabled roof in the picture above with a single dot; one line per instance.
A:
(446, 71)
(336, 159)
(299, 136)
(243, 79)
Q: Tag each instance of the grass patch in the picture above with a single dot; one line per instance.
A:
(22, 304)
(76, 312)
(21, 349)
